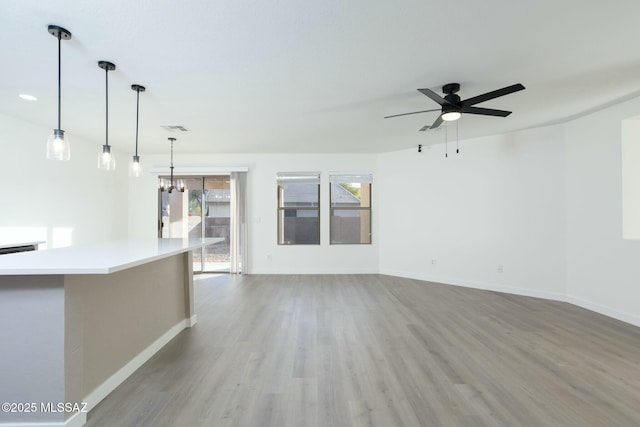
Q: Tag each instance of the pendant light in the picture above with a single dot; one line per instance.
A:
(135, 169)
(169, 187)
(57, 147)
(106, 160)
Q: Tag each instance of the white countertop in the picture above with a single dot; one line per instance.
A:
(102, 258)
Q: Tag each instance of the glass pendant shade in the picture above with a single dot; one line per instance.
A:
(58, 148)
(135, 168)
(106, 160)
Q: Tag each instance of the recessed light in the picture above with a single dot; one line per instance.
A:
(28, 97)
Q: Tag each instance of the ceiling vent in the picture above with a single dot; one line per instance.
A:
(174, 128)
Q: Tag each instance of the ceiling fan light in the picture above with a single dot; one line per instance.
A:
(451, 116)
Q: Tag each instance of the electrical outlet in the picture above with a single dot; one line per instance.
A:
(269, 257)
(433, 261)
(500, 269)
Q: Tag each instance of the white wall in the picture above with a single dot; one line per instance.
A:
(63, 203)
(265, 255)
(499, 203)
(603, 270)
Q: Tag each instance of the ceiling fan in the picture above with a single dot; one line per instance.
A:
(452, 106)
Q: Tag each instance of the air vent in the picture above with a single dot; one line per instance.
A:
(174, 128)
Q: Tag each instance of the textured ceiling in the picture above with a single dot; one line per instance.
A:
(292, 76)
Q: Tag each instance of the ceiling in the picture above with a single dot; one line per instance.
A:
(248, 76)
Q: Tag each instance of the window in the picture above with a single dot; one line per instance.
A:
(350, 208)
(299, 208)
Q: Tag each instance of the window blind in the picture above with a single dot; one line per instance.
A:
(363, 178)
(298, 177)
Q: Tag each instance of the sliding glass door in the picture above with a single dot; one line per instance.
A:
(203, 210)
(217, 222)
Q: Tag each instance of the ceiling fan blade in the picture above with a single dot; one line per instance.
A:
(415, 112)
(434, 96)
(485, 111)
(437, 123)
(493, 94)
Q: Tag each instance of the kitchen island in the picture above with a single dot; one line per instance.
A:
(76, 322)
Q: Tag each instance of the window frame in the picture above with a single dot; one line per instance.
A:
(341, 178)
(296, 178)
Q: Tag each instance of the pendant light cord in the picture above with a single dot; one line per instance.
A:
(137, 117)
(446, 140)
(171, 184)
(106, 80)
(59, 72)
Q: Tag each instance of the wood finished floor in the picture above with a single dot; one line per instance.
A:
(370, 350)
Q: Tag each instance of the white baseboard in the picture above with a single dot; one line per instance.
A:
(554, 296)
(76, 420)
(118, 378)
(311, 271)
(192, 321)
(604, 310)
